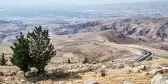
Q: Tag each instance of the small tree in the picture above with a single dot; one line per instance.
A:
(21, 57)
(41, 50)
(69, 61)
(85, 60)
(3, 61)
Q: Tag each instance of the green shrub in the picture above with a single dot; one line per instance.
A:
(3, 61)
(21, 57)
(85, 60)
(41, 50)
(69, 61)
(33, 51)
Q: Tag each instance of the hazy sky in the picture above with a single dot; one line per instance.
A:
(62, 2)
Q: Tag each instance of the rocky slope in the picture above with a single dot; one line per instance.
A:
(111, 51)
(143, 29)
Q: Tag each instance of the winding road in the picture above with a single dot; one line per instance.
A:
(146, 55)
(139, 50)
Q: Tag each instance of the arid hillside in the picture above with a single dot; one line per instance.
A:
(134, 50)
(143, 29)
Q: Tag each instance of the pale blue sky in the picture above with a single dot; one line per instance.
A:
(63, 2)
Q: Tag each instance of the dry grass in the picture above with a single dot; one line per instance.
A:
(119, 76)
(77, 46)
(113, 78)
(132, 78)
(154, 63)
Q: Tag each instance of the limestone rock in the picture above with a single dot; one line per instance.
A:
(165, 69)
(13, 73)
(127, 71)
(127, 82)
(90, 82)
(14, 80)
(59, 72)
(28, 74)
(19, 73)
(62, 82)
(120, 66)
(101, 72)
(7, 74)
(160, 79)
(155, 71)
(139, 69)
(78, 82)
(22, 81)
(136, 70)
(145, 73)
(142, 67)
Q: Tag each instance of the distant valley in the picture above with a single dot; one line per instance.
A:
(78, 19)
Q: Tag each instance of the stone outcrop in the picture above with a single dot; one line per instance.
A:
(90, 82)
(155, 71)
(160, 79)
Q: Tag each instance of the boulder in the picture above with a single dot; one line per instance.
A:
(129, 65)
(13, 73)
(136, 70)
(77, 82)
(160, 79)
(7, 74)
(139, 69)
(127, 71)
(127, 82)
(155, 71)
(165, 69)
(19, 73)
(145, 73)
(142, 67)
(22, 81)
(49, 82)
(101, 72)
(1, 73)
(59, 72)
(62, 82)
(28, 74)
(91, 82)
(120, 66)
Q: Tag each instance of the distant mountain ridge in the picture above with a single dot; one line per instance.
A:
(141, 29)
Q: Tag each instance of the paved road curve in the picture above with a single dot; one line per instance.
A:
(146, 55)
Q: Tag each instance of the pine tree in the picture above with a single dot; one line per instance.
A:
(21, 57)
(41, 50)
(3, 61)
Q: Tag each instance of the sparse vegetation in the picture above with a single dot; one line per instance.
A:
(33, 51)
(85, 60)
(69, 61)
(41, 50)
(3, 61)
(21, 56)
